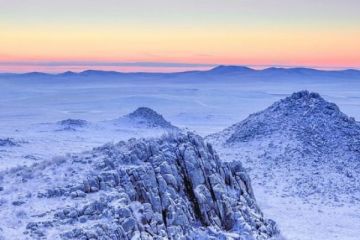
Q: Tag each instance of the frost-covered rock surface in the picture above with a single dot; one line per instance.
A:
(303, 144)
(173, 187)
(147, 117)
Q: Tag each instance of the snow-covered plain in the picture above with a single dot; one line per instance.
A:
(32, 107)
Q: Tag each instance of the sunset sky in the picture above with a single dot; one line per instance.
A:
(166, 35)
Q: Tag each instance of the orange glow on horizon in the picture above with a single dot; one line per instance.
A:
(232, 45)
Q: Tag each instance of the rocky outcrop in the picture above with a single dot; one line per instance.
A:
(174, 187)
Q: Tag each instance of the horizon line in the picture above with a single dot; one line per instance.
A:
(141, 67)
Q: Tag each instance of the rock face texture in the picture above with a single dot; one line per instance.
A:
(149, 118)
(307, 139)
(174, 187)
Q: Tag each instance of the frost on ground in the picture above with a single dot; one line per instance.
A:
(173, 187)
(304, 151)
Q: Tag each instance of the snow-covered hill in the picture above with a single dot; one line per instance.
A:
(310, 146)
(148, 118)
(174, 187)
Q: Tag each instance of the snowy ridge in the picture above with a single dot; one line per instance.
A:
(174, 187)
(312, 147)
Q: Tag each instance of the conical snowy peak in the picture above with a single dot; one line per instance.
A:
(174, 187)
(149, 118)
(303, 116)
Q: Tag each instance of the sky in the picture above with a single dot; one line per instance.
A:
(167, 35)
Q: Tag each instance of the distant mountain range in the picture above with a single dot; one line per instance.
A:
(222, 70)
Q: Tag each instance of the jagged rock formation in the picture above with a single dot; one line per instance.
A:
(72, 124)
(307, 139)
(174, 187)
(149, 118)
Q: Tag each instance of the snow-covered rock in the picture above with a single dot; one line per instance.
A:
(173, 187)
(304, 143)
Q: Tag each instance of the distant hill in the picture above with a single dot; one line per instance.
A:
(222, 70)
(147, 117)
